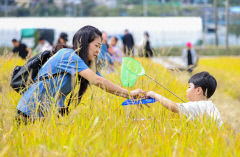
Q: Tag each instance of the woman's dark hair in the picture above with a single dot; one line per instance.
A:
(206, 81)
(81, 41)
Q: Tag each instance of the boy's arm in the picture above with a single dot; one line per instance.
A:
(169, 104)
(107, 85)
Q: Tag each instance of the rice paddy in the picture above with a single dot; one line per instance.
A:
(100, 126)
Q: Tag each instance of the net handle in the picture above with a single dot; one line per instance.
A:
(164, 87)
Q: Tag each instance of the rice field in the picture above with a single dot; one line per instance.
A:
(228, 72)
(100, 126)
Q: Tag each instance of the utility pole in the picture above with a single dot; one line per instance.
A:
(81, 7)
(145, 8)
(205, 25)
(6, 8)
(216, 21)
(227, 23)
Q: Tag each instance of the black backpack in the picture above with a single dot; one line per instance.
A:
(23, 76)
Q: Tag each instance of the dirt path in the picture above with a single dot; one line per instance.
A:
(228, 107)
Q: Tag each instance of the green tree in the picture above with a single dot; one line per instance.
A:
(222, 2)
(234, 27)
(234, 2)
(126, 2)
(87, 6)
(22, 12)
(155, 10)
(105, 11)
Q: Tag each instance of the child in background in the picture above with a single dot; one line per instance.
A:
(115, 51)
(201, 87)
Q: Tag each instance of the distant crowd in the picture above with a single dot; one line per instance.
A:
(25, 52)
(111, 53)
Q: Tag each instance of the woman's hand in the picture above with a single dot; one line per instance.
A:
(151, 94)
(137, 93)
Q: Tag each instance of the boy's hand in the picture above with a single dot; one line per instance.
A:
(138, 93)
(151, 94)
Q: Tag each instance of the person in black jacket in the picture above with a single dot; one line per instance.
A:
(21, 49)
(147, 45)
(128, 43)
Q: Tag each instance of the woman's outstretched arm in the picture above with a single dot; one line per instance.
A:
(109, 86)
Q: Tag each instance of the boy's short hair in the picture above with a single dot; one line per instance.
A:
(206, 81)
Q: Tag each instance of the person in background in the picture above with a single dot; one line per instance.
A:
(104, 57)
(21, 49)
(63, 38)
(115, 51)
(43, 45)
(128, 43)
(190, 57)
(62, 42)
(146, 45)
